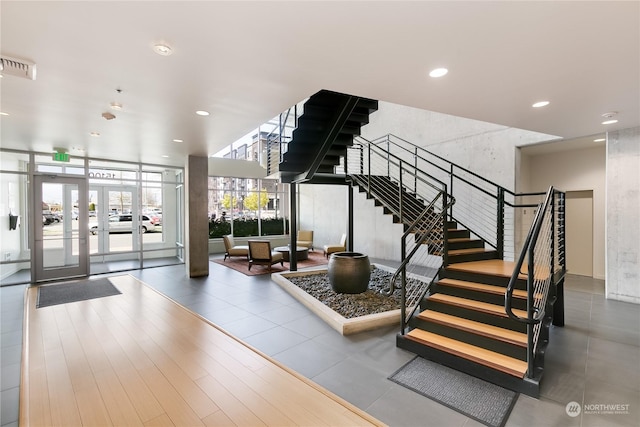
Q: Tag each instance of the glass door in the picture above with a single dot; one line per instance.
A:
(115, 224)
(60, 232)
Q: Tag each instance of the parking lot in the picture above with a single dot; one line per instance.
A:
(53, 234)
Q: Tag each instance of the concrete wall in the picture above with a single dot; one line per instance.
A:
(622, 215)
(575, 170)
(485, 148)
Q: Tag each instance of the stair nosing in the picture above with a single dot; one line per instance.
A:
(484, 307)
(490, 331)
(518, 367)
(490, 289)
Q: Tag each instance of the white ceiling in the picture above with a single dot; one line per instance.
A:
(245, 62)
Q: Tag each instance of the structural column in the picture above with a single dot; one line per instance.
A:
(293, 227)
(197, 218)
(350, 213)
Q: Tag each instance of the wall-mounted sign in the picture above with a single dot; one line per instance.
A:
(61, 157)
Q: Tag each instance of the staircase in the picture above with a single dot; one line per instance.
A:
(476, 315)
(474, 310)
(325, 129)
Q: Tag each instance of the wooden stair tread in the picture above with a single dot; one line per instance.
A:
(461, 239)
(490, 331)
(490, 289)
(496, 267)
(469, 251)
(484, 307)
(497, 361)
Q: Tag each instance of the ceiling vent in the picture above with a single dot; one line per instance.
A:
(17, 67)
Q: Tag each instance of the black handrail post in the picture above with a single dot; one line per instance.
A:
(403, 289)
(451, 188)
(400, 194)
(361, 160)
(415, 173)
(388, 158)
(530, 314)
(445, 230)
(500, 223)
(558, 305)
(369, 169)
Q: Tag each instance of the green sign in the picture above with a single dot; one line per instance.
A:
(61, 157)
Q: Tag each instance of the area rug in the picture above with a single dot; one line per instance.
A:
(65, 293)
(242, 265)
(484, 402)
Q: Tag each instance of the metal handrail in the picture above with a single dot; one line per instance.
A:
(527, 252)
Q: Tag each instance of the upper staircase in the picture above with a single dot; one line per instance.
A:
(473, 297)
(324, 131)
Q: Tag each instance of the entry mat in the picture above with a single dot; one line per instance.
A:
(64, 293)
(483, 401)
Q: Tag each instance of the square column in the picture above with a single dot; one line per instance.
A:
(197, 218)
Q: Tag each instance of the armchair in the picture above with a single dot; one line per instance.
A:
(260, 253)
(232, 250)
(305, 238)
(329, 249)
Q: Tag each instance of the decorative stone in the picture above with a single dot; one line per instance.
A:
(349, 272)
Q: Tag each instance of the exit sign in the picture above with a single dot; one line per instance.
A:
(61, 157)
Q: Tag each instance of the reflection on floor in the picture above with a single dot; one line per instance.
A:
(593, 360)
(24, 276)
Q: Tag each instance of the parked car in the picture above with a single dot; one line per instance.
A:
(124, 224)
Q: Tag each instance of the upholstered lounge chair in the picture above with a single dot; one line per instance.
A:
(260, 253)
(329, 249)
(305, 238)
(232, 250)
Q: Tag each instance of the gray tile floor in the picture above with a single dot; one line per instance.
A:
(594, 360)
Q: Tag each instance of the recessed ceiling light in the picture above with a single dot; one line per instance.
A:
(2, 113)
(609, 122)
(540, 104)
(599, 140)
(202, 113)
(116, 106)
(165, 156)
(162, 49)
(178, 140)
(96, 134)
(438, 72)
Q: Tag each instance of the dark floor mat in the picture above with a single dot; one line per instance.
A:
(485, 402)
(64, 293)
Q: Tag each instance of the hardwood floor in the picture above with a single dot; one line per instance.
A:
(141, 359)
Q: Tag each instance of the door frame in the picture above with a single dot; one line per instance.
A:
(38, 272)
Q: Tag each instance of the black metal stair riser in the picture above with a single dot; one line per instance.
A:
(528, 386)
(483, 256)
(482, 278)
(517, 303)
(509, 349)
(458, 234)
(466, 244)
(478, 316)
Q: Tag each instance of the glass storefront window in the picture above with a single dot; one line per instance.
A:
(247, 207)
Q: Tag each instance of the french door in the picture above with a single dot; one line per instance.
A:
(60, 248)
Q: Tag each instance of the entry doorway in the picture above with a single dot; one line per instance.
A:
(60, 241)
(109, 235)
(579, 232)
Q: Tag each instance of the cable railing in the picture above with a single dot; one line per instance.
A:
(491, 212)
(543, 255)
(417, 200)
